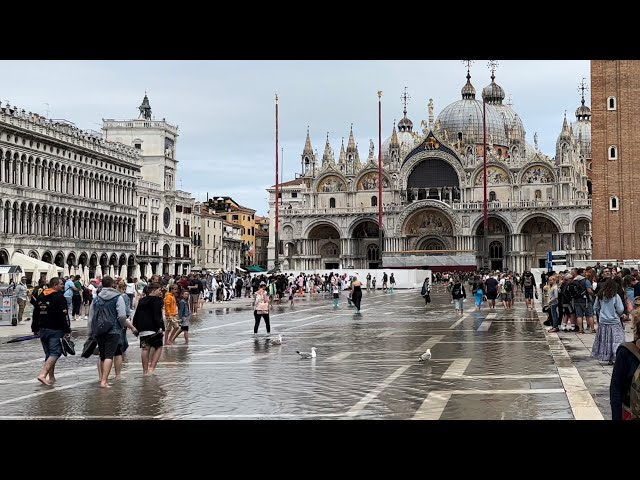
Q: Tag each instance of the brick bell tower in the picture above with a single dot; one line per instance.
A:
(615, 106)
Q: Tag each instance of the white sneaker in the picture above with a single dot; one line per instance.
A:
(563, 327)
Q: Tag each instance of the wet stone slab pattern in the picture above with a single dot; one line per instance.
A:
(485, 365)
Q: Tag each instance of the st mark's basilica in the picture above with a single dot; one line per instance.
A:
(433, 194)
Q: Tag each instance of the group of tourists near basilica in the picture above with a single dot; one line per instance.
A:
(433, 191)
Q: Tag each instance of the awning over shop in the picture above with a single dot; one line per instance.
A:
(255, 269)
(29, 264)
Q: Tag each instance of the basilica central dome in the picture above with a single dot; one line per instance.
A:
(463, 119)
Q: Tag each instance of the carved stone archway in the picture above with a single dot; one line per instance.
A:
(423, 205)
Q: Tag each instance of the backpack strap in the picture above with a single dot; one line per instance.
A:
(631, 346)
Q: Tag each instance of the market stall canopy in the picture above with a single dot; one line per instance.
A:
(240, 269)
(255, 269)
(30, 264)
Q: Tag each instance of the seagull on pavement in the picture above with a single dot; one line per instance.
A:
(276, 341)
(425, 356)
(306, 354)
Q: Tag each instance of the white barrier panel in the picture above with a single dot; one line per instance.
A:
(404, 278)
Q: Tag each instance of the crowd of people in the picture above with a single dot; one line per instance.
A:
(596, 300)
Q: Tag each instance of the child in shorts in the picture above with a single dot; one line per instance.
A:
(290, 292)
(184, 314)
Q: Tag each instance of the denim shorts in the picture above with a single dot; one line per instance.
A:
(51, 342)
(583, 309)
(458, 303)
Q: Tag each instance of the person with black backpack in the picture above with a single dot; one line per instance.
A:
(426, 291)
(581, 291)
(458, 294)
(51, 323)
(529, 285)
(107, 319)
(507, 291)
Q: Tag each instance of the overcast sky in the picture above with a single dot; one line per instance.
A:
(226, 114)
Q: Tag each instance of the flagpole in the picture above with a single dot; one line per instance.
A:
(485, 253)
(277, 200)
(380, 240)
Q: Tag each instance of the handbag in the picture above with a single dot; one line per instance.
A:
(68, 346)
(89, 347)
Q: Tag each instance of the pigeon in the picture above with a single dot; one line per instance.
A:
(306, 354)
(425, 356)
(276, 341)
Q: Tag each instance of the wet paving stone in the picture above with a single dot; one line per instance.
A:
(492, 364)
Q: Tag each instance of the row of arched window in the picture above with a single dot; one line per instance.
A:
(34, 219)
(49, 175)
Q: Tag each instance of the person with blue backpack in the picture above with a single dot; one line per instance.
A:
(107, 318)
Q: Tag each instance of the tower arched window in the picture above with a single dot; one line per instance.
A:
(612, 103)
(332, 202)
(613, 152)
(614, 203)
(374, 201)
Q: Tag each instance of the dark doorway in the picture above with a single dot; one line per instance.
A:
(331, 266)
(373, 265)
(496, 265)
(542, 263)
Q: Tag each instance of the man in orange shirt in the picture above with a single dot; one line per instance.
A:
(171, 314)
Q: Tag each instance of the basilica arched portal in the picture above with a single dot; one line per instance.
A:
(323, 241)
(429, 227)
(540, 235)
(365, 245)
(497, 242)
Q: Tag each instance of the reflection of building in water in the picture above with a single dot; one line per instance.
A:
(433, 190)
